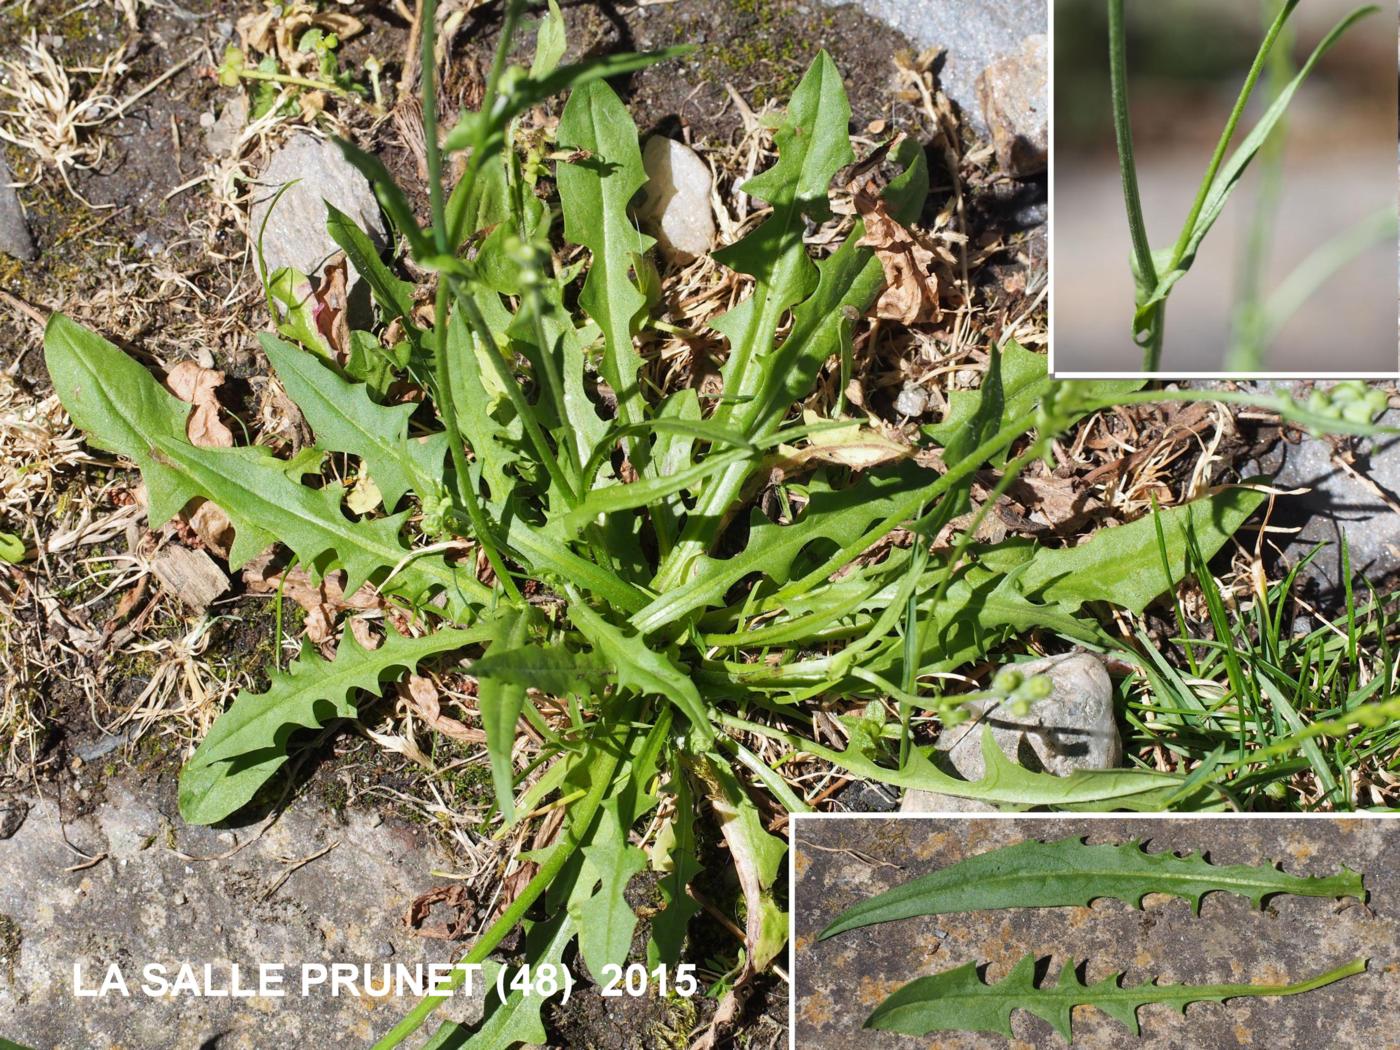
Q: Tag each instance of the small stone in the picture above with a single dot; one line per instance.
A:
(1013, 96)
(912, 400)
(12, 814)
(221, 135)
(677, 205)
(295, 234)
(384, 950)
(1072, 729)
(15, 239)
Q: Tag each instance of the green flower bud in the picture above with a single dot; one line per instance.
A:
(1008, 680)
(1038, 687)
(232, 67)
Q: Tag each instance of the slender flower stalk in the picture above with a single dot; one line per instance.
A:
(1118, 72)
(1152, 320)
(463, 491)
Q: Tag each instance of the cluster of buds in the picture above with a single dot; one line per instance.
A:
(1020, 691)
(1352, 401)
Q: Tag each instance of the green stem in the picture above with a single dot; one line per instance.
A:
(1247, 342)
(1284, 406)
(295, 81)
(581, 814)
(482, 331)
(1317, 269)
(427, 60)
(1122, 126)
(476, 157)
(462, 492)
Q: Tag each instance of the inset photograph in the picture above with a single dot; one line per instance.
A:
(978, 933)
(1223, 188)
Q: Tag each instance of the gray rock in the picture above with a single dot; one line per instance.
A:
(676, 209)
(973, 34)
(295, 234)
(144, 902)
(1072, 729)
(912, 400)
(1015, 99)
(222, 134)
(15, 238)
(1338, 505)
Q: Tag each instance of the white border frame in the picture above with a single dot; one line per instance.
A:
(1379, 377)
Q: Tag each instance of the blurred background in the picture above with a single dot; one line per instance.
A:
(1186, 63)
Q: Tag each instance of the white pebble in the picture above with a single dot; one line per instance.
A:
(677, 205)
(912, 400)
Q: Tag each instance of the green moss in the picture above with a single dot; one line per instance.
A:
(766, 48)
(681, 1018)
(11, 937)
(126, 665)
(468, 784)
(336, 795)
(155, 752)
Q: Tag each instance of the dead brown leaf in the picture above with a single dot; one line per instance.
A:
(329, 303)
(213, 527)
(364, 633)
(322, 600)
(422, 696)
(1058, 503)
(189, 382)
(454, 896)
(912, 287)
(278, 30)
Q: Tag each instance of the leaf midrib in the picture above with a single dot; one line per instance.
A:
(1210, 875)
(337, 525)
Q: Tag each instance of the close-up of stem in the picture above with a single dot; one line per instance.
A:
(1145, 269)
(1156, 273)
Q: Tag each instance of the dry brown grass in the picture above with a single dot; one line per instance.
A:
(53, 112)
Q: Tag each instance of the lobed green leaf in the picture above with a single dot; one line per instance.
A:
(1069, 872)
(249, 742)
(958, 1001)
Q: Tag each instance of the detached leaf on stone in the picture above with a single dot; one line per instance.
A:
(1072, 873)
(958, 1001)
